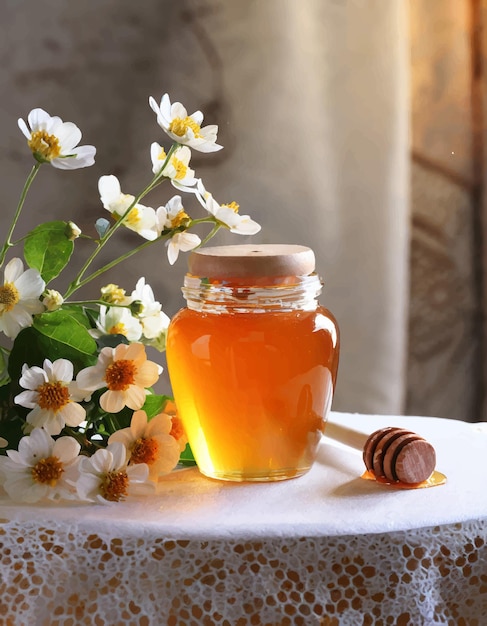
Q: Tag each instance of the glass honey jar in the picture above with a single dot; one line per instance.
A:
(253, 360)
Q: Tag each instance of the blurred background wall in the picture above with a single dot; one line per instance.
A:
(446, 335)
(350, 126)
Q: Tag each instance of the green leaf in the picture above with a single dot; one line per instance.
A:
(111, 341)
(11, 430)
(63, 328)
(11, 419)
(154, 405)
(47, 249)
(80, 313)
(26, 349)
(187, 457)
(53, 336)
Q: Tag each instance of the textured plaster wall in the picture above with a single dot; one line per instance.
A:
(312, 113)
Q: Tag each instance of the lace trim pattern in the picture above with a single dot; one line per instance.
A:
(64, 575)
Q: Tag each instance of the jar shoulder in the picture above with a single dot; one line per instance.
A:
(187, 315)
(322, 310)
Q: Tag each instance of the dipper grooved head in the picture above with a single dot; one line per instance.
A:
(397, 454)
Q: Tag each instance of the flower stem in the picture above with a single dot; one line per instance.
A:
(78, 281)
(112, 422)
(99, 302)
(146, 244)
(211, 234)
(80, 437)
(81, 282)
(159, 177)
(109, 266)
(8, 241)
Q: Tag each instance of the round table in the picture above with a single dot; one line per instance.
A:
(329, 548)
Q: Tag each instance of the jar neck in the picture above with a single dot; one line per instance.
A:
(297, 294)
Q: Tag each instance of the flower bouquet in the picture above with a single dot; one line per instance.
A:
(78, 415)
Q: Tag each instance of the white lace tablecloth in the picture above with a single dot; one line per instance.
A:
(326, 549)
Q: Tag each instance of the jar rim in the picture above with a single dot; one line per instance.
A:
(222, 296)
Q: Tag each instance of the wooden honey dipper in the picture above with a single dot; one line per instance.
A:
(392, 453)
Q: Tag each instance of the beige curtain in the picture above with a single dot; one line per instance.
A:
(312, 102)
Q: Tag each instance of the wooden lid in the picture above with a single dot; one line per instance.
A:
(252, 260)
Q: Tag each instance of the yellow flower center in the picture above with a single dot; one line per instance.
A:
(233, 205)
(113, 294)
(120, 375)
(180, 167)
(133, 218)
(47, 471)
(145, 451)
(180, 126)
(53, 396)
(44, 145)
(162, 155)
(9, 296)
(115, 486)
(179, 219)
(118, 329)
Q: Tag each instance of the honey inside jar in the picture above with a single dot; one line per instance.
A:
(253, 366)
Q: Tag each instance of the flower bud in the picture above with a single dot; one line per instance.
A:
(113, 294)
(72, 231)
(137, 307)
(52, 300)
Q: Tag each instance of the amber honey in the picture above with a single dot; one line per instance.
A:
(253, 371)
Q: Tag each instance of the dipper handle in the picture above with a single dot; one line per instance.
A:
(347, 436)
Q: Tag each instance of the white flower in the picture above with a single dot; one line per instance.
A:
(184, 129)
(173, 216)
(56, 142)
(181, 241)
(149, 442)
(155, 325)
(40, 468)
(159, 342)
(19, 297)
(154, 321)
(105, 477)
(125, 372)
(227, 214)
(52, 395)
(117, 321)
(52, 300)
(177, 168)
(140, 219)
